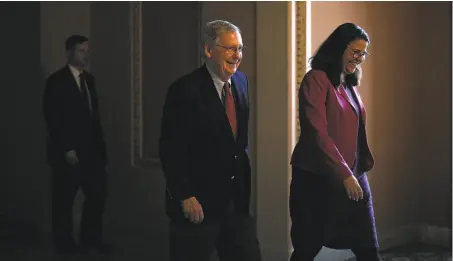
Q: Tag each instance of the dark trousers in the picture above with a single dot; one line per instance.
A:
(308, 206)
(234, 237)
(65, 184)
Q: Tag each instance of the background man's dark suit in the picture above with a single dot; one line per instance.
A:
(73, 126)
(201, 158)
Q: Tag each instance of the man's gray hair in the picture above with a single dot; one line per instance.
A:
(214, 29)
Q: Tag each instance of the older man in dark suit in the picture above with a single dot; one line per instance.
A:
(76, 149)
(204, 155)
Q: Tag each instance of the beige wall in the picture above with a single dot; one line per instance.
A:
(184, 20)
(135, 215)
(58, 21)
(273, 127)
(417, 100)
(407, 91)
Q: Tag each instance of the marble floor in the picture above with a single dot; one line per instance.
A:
(416, 253)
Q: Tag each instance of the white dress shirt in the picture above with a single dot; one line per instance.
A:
(76, 73)
(218, 83)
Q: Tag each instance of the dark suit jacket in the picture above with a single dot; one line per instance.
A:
(70, 124)
(328, 123)
(198, 152)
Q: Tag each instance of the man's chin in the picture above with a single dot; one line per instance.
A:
(231, 71)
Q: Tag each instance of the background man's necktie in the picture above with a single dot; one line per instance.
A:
(230, 108)
(84, 91)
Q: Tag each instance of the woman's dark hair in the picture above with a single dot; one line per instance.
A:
(329, 57)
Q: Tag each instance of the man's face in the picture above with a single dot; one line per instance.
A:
(79, 55)
(225, 56)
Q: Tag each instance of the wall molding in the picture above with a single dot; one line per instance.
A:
(138, 159)
(136, 75)
(301, 54)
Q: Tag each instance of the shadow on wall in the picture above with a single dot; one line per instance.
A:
(22, 225)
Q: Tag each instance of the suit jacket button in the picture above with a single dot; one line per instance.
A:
(232, 177)
(236, 157)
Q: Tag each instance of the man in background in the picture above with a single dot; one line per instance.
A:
(76, 150)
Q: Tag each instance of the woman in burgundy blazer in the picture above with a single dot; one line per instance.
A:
(330, 199)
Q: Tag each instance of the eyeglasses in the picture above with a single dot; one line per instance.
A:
(356, 53)
(232, 49)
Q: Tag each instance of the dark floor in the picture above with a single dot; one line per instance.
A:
(14, 247)
(410, 253)
(416, 253)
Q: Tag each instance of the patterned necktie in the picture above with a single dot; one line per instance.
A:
(230, 108)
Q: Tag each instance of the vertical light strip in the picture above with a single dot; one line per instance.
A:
(132, 81)
(293, 75)
(292, 112)
(308, 33)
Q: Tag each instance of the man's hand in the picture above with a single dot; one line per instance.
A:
(353, 188)
(192, 210)
(71, 157)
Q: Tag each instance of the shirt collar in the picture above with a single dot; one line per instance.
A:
(76, 72)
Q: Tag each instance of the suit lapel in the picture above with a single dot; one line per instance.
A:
(360, 103)
(72, 83)
(238, 101)
(74, 89)
(342, 90)
(237, 92)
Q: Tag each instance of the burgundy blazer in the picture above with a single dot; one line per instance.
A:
(328, 124)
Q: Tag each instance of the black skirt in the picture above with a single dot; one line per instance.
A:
(322, 213)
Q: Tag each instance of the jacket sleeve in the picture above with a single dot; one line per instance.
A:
(98, 125)
(312, 114)
(174, 142)
(55, 116)
(248, 117)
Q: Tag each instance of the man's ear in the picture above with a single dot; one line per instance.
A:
(207, 51)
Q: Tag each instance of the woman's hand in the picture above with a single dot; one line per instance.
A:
(353, 188)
